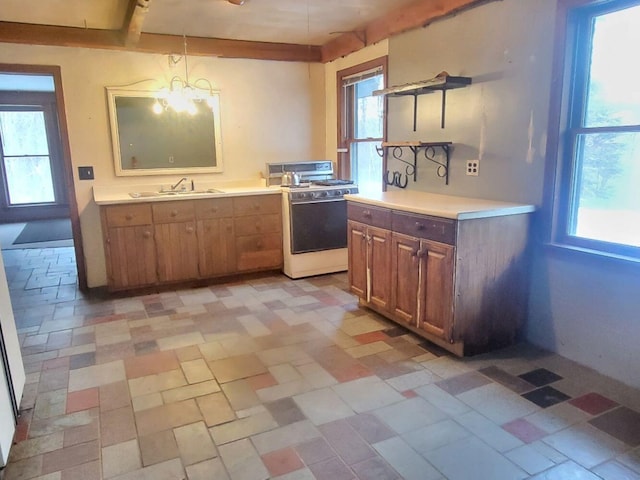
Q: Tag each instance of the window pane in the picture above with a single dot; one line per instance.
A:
(369, 109)
(607, 202)
(23, 133)
(366, 166)
(613, 96)
(29, 180)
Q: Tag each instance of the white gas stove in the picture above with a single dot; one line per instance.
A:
(314, 216)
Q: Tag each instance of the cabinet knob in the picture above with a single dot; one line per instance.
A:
(189, 229)
(146, 234)
(366, 213)
(128, 216)
(174, 213)
(259, 245)
(214, 209)
(419, 226)
(258, 227)
(256, 206)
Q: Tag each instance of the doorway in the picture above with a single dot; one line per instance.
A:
(36, 179)
(32, 183)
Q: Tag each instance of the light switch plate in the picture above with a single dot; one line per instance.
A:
(85, 173)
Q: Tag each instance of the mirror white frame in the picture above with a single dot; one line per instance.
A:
(216, 138)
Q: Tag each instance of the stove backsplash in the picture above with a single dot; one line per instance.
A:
(314, 170)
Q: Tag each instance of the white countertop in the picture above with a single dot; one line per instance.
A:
(446, 206)
(110, 195)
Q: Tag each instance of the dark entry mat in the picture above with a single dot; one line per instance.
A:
(45, 231)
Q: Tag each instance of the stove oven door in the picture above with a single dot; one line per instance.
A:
(318, 226)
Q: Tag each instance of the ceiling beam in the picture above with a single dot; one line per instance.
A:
(133, 21)
(155, 43)
(415, 15)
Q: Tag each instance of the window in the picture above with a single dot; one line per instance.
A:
(361, 123)
(598, 193)
(25, 156)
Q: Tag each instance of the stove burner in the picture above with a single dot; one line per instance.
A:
(333, 183)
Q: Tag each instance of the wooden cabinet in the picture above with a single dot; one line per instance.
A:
(405, 277)
(436, 289)
(370, 263)
(173, 241)
(216, 238)
(176, 240)
(258, 230)
(129, 246)
(357, 267)
(459, 283)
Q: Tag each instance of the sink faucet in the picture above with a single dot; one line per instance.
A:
(183, 179)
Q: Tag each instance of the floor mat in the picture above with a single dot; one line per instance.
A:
(45, 231)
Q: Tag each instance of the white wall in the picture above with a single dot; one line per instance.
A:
(586, 311)
(506, 48)
(271, 111)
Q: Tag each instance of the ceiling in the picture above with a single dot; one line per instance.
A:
(299, 30)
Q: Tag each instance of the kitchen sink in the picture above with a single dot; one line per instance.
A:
(180, 193)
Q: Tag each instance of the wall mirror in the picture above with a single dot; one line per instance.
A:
(149, 140)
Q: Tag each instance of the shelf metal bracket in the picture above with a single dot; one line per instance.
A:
(429, 149)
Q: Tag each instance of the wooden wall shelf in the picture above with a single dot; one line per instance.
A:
(441, 83)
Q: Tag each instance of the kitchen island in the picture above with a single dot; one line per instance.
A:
(451, 269)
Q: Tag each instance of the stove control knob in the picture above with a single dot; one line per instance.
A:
(324, 194)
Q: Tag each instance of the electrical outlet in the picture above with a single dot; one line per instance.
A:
(473, 167)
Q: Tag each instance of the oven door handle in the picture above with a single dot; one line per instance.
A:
(316, 200)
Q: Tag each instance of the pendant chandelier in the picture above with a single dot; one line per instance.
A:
(183, 95)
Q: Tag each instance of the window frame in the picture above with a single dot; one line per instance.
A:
(346, 113)
(566, 125)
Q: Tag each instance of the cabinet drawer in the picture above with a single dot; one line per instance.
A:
(256, 252)
(257, 224)
(169, 212)
(441, 230)
(128, 215)
(257, 204)
(214, 208)
(378, 217)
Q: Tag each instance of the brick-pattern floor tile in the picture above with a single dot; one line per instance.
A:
(524, 430)
(83, 400)
(346, 442)
(291, 378)
(593, 403)
(158, 447)
(194, 443)
(281, 462)
(117, 426)
(621, 423)
(70, 457)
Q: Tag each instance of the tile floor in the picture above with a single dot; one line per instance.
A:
(275, 378)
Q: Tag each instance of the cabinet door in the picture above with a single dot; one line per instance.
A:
(131, 257)
(379, 266)
(437, 264)
(177, 251)
(405, 275)
(216, 247)
(357, 245)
